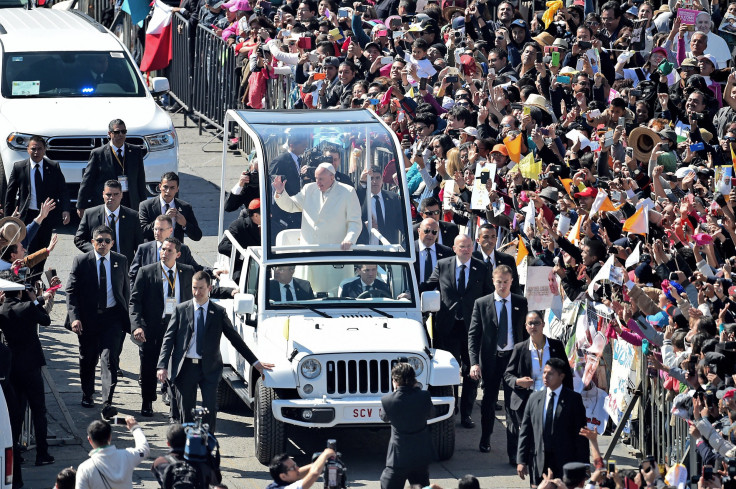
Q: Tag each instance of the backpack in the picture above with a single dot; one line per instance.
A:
(182, 474)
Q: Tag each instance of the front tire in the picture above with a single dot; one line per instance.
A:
(268, 432)
(443, 433)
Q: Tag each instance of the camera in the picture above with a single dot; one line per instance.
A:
(698, 116)
(253, 179)
(585, 45)
(336, 473)
(635, 93)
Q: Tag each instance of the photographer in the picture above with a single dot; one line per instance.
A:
(287, 474)
(176, 439)
(20, 315)
(109, 467)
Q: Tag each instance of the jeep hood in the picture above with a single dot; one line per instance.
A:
(317, 335)
(84, 115)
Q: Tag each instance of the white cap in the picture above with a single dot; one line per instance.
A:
(327, 166)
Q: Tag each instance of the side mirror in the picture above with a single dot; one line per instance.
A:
(430, 301)
(159, 85)
(244, 303)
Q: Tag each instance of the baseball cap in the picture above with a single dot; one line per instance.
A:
(691, 62)
(726, 393)
(500, 148)
(588, 192)
(710, 58)
(332, 60)
(519, 23)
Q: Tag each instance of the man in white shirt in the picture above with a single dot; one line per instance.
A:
(497, 323)
(330, 210)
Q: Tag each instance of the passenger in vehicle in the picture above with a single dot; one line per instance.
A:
(330, 210)
(285, 288)
(288, 167)
(246, 230)
(386, 215)
(366, 283)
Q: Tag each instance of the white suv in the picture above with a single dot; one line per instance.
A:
(49, 85)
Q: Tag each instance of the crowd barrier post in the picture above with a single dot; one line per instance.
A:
(182, 63)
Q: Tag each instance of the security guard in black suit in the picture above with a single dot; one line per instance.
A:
(158, 288)
(20, 315)
(410, 450)
(97, 296)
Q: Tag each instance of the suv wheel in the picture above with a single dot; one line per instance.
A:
(268, 432)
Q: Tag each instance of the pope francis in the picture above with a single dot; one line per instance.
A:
(330, 210)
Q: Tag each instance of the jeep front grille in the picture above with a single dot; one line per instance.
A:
(78, 148)
(359, 376)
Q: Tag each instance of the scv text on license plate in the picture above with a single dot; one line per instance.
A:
(367, 413)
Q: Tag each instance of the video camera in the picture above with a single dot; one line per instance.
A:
(201, 445)
(335, 474)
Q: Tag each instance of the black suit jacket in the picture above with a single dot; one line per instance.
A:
(147, 301)
(178, 336)
(483, 332)
(443, 279)
(246, 233)
(407, 409)
(503, 259)
(354, 288)
(569, 418)
(129, 234)
(234, 201)
(393, 216)
(19, 320)
(302, 290)
(19, 190)
(103, 166)
(520, 365)
(147, 254)
(441, 250)
(81, 290)
(448, 231)
(150, 209)
(285, 166)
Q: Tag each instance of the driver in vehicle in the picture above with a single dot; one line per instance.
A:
(366, 283)
(283, 287)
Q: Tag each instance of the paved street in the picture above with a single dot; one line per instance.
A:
(363, 450)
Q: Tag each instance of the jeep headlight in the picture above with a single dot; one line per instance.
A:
(18, 141)
(417, 364)
(161, 141)
(311, 368)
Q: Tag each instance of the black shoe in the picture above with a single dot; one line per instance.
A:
(165, 398)
(147, 409)
(120, 373)
(484, 447)
(108, 411)
(512, 463)
(467, 422)
(499, 407)
(87, 402)
(44, 459)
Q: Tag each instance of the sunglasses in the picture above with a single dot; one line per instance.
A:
(430, 231)
(432, 213)
(103, 240)
(534, 323)
(119, 131)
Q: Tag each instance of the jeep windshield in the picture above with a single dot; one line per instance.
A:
(351, 285)
(70, 74)
(341, 184)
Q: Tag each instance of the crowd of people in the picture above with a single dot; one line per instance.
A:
(582, 154)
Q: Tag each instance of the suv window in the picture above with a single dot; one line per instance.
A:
(70, 74)
(251, 285)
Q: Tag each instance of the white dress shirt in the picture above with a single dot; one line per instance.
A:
(116, 213)
(172, 205)
(165, 276)
(509, 330)
(108, 272)
(32, 203)
(458, 264)
(282, 289)
(192, 350)
(491, 257)
(546, 401)
(538, 363)
(115, 149)
(422, 258)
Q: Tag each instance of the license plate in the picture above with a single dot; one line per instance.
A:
(364, 413)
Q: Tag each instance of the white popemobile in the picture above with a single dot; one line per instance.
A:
(332, 337)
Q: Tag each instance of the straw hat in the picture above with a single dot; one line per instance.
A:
(12, 231)
(643, 140)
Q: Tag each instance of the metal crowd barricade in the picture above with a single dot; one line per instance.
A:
(278, 92)
(93, 8)
(215, 81)
(181, 68)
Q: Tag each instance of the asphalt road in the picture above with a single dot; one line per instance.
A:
(363, 450)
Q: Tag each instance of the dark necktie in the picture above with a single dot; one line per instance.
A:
(120, 154)
(102, 286)
(461, 280)
(289, 295)
(428, 267)
(172, 288)
(111, 223)
(166, 208)
(379, 212)
(549, 418)
(200, 330)
(503, 325)
(368, 287)
(38, 182)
